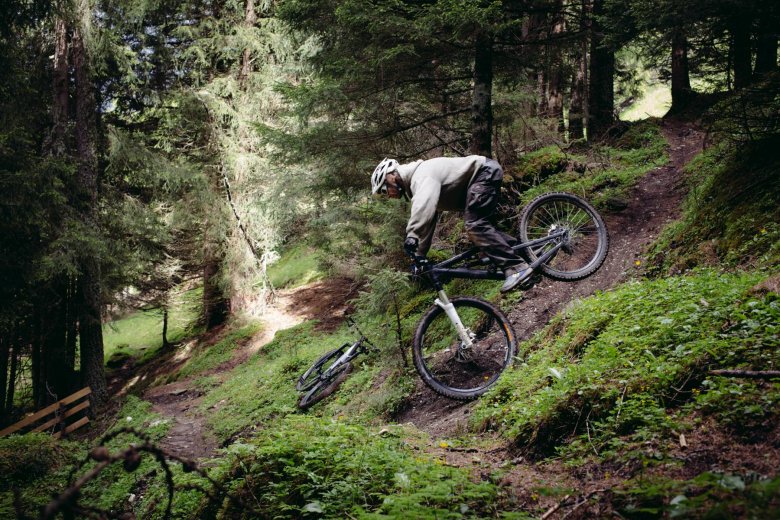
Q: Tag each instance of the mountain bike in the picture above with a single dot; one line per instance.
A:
(330, 370)
(462, 345)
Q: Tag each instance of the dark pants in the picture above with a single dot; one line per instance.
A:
(481, 201)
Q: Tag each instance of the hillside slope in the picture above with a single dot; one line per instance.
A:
(651, 205)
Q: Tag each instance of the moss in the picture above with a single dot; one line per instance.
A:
(731, 214)
(607, 171)
(617, 357)
(25, 458)
(535, 167)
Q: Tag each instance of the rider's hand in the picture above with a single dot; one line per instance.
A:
(410, 246)
(420, 265)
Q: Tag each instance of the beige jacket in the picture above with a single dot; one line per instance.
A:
(436, 184)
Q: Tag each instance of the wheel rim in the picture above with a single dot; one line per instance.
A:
(470, 370)
(580, 239)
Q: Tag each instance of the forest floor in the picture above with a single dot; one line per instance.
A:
(325, 301)
(651, 205)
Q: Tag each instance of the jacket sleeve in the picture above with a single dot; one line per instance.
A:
(423, 217)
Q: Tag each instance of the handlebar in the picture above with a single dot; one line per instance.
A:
(420, 264)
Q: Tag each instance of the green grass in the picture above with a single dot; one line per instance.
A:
(655, 101)
(609, 170)
(37, 466)
(297, 266)
(205, 357)
(608, 367)
(139, 335)
(264, 386)
(731, 215)
(308, 467)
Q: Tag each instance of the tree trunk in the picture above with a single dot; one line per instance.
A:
(681, 82)
(60, 89)
(165, 343)
(5, 353)
(579, 89)
(9, 396)
(577, 104)
(90, 322)
(481, 108)
(554, 67)
(59, 372)
(766, 49)
(250, 18)
(601, 98)
(71, 324)
(740, 32)
(215, 306)
(38, 365)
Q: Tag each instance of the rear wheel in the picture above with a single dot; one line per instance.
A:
(584, 240)
(325, 386)
(449, 368)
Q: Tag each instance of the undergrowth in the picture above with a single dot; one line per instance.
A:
(307, 467)
(732, 213)
(711, 494)
(605, 173)
(616, 367)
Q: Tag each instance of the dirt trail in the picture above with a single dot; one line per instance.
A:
(180, 401)
(652, 204)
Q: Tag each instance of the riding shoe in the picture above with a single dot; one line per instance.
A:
(516, 275)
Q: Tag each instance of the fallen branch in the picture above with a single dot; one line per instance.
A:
(67, 503)
(749, 374)
(581, 503)
(554, 508)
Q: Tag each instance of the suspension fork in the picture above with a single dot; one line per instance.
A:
(449, 309)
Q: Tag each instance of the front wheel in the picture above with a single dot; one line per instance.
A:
(453, 370)
(325, 386)
(312, 376)
(577, 227)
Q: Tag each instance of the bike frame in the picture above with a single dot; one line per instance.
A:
(437, 272)
(447, 269)
(348, 355)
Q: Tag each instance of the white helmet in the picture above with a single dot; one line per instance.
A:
(380, 172)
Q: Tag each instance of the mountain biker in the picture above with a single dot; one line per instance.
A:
(470, 184)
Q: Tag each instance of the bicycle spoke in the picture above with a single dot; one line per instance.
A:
(453, 365)
(583, 240)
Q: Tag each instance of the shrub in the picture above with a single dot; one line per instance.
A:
(24, 458)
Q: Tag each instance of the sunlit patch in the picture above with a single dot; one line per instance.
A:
(184, 352)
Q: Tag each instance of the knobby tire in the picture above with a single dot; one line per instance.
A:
(436, 343)
(326, 386)
(312, 376)
(586, 243)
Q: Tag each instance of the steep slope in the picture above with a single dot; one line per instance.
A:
(652, 204)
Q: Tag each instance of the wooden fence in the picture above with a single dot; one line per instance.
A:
(60, 413)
